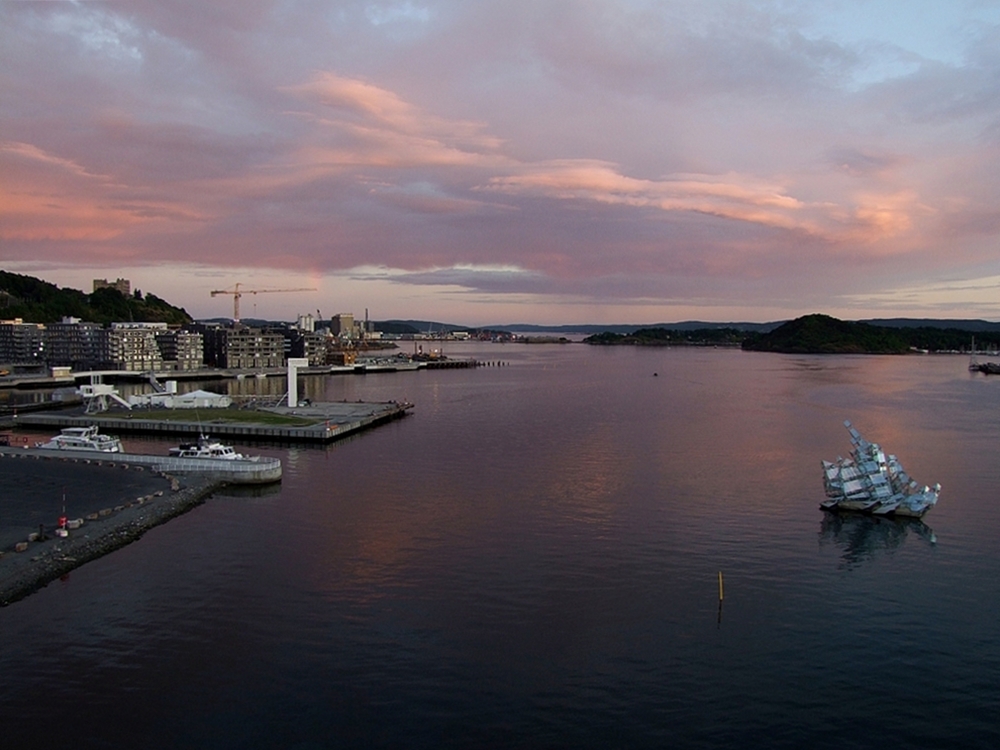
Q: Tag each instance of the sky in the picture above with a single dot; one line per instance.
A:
(509, 161)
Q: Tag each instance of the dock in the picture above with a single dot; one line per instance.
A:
(327, 422)
(263, 470)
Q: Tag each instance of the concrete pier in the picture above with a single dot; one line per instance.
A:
(263, 470)
(329, 421)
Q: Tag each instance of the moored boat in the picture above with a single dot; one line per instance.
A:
(870, 481)
(206, 447)
(83, 439)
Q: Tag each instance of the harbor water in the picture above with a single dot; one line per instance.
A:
(532, 559)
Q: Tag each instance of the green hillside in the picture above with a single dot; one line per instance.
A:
(822, 334)
(670, 337)
(37, 301)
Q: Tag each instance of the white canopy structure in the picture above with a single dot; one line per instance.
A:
(173, 400)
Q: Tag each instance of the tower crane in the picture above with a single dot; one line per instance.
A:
(237, 293)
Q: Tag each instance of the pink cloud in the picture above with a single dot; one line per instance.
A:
(604, 150)
(44, 196)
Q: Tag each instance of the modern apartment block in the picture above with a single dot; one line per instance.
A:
(311, 346)
(76, 344)
(22, 343)
(242, 348)
(181, 350)
(133, 346)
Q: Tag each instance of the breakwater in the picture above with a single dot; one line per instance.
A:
(48, 558)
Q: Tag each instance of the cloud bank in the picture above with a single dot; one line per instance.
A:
(548, 160)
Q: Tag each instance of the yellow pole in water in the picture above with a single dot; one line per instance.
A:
(720, 586)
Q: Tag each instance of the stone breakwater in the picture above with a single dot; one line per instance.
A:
(43, 561)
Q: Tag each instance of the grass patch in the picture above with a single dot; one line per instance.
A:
(221, 416)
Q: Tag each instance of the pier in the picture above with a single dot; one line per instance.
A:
(316, 423)
(263, 470)
(111, 518)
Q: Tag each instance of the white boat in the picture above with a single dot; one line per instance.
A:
(872, 482)
(206, 447)
(83, 439)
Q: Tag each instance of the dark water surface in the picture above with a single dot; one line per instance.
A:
(531, 560)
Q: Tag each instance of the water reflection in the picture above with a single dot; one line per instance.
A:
(862, 538)
(251, 491)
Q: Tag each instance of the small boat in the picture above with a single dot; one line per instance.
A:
(83, 439)
(206, 447)
(870, 481)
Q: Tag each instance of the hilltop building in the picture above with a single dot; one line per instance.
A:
(122, 285)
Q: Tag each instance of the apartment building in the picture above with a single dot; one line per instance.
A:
(76, 344)
(181, 350)
(22, 343)
(133, 346)
(242, 348)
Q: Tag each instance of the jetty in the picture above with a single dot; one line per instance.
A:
(115, 508)
(262, 470)
(322, 422)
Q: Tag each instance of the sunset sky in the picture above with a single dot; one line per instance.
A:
(504, 161)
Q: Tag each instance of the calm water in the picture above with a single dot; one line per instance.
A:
(531, 560)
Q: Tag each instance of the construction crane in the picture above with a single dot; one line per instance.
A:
(237, 293)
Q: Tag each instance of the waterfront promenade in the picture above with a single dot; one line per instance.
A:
(38, 380)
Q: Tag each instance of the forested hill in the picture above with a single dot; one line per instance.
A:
(822, 334)
(815, 334)
(659, 336)
(37, 301)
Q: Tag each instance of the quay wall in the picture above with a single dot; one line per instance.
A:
(331, 423)
(261, 471)
(38, 381)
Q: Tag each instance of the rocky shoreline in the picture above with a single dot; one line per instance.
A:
(44, 561)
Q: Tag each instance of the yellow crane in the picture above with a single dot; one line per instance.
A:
(237, 293)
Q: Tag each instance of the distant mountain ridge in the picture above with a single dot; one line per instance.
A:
(972, 325)
(424, 326)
